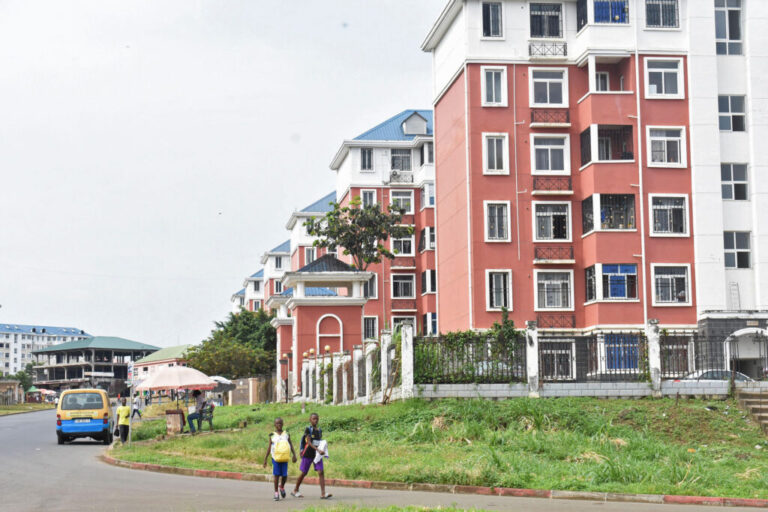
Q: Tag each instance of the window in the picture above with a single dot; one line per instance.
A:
(370, 327)
(427, 195)
(309, 255)
(278, 262)
(549, 87)
(661, 14)
(399, 321)
(366, 159)
(617, 211)
(550, 154)
(278, 287)
(427, 239)
(256, 286)
(552, 222)
(429, 324)
(429, 281)
(402, 200)
(403, 246)
(256, 305)
(403, 286)
(499, 291)
(492, 19)
(427, 153)
(619, 282)
(495, 153)
(663, 78)
(494, 87)
(546, 20)
(728, 35)
(368, 198)
(557, 360)
(670, 214)
(370, 290)
(602, 82)
(736, 249)
(587, 215)
(401, 159)
(622, 351)
(667, 147)
(734, 178)
(732, 117)
(497, 222)
(611, 11)
(553, 290)
(590, 283)
(670, 285)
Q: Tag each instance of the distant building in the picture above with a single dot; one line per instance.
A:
(238, 300)
(254, 291)
(11, 392)
(98, 361)
(17, 342)
(168, 356)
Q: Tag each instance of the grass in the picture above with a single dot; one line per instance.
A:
(640, 446)
(15, 409)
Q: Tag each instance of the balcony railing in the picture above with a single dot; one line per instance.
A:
(550, 116)
(404, 261)
(553, 253)
(552, 184)
(547, 49)
(403, 304)
(614, 143)
(555, 321)
(400, 177)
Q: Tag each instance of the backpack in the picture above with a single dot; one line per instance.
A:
(282, 449)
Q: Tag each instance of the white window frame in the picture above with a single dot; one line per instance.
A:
(375, 279)
(569, 214)
(428, 325)
(656, 304)
(410, 237)
(563, 21)
(680, 79)
(683, 147)
(278, 287)
(532, 103)
(484, 85)
(566, 154)
(392, 286)
(278, 262)
(600, 291)
(501, 36)
(373, 165)
(536, 273)
(510, 295)
(485, 222)
(731, 113)
(727, 40)
(687, 220)
(425, 188)
(736, 250)
(376, 318)
(430, 239)
(399, 191)
(307, 251)
(662, 26)
(363, 191)
(607, 76)
(430, 289)
(505, 153)
(732, 182)
(405, 317)
(256, 286)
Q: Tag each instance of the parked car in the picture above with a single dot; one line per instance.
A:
(718, 375)
(84, 413)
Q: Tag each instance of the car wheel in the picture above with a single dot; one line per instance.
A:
(59, 438)
(107, 439)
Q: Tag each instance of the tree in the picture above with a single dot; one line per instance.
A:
(24, 376)
(359, 230)
(248, 328)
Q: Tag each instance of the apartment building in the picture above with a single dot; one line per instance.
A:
(275, 262)
(237, 300)
(18, 341)
(253, 291)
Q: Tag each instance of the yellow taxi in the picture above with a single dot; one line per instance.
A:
(84, 413)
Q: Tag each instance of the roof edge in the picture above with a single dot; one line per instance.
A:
(441, 25)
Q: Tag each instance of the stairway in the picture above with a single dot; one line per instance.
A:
(756, 402)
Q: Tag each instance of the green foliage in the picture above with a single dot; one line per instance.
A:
(24, 377)
(359, 231)
(248, 328)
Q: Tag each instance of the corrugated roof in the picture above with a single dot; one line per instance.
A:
(392, 128)
(177, 352)
(99, 343)
(311, 292)
(260, 273)
(10, 328)
(327, 263)
(321, 205)
(283, 247)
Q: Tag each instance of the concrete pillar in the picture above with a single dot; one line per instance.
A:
(336, 362)
(324, 361)
(357, 356)
(406, 361)
(370, 348)
(653, 335)
(344, 378)
(532, 358)
(386, 341)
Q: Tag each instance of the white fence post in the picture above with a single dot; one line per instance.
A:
(653, 335)
(357, 355)
(532, 358)
(336, 360)
(406, 361)
(344, 378)
(386, 341)
(370, 348)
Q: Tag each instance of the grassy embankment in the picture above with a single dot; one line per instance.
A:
(642, 446)
(15, 409)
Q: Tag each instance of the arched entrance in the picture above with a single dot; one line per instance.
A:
(748, 352)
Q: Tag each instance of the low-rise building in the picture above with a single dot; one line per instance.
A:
(11, 392)
(168, 356)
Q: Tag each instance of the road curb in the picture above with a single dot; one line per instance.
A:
(455, 489)
(26, 412)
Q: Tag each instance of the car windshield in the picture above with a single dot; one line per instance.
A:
(81, 401)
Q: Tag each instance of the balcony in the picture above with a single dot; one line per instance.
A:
(555, 321)
(547, 49)
(552, 186)
(403, 262)
(607, 143)
(550, 118)
(403, 305)
(401, 177)
(555, 255)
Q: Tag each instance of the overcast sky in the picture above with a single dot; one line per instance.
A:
(151, 151)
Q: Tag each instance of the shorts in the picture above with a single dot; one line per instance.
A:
(305, 463)
(279, 468)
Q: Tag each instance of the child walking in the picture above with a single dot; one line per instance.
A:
(281, 450)
(309, 449)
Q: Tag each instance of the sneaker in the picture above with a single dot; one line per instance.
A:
(277, 496)
(296, 494)
(282, 493)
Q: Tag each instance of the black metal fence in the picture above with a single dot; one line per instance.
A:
(550, 115)
(547, 49)
(553, 253)
(469, 358)
(692, 356)
(552, 183)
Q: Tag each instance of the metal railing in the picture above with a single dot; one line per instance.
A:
(550, 115)
(553, 253)
(555, 321)
(547, 49)
(691, 356)
(552, 183)
(401, 177)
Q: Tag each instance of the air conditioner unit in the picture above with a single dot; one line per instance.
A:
(395, 173)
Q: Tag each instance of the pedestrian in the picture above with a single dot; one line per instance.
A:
(136, 406)
(123, 420)
(197, 415)
(309, 451)
(279, 447)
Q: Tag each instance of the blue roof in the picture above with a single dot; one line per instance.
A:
(260, 273)
(40, 329)
(392, 128)
(283, 247)
(321, 205)
(241, 292)
(311, 292)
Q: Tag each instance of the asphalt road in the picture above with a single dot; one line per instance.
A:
(38, 474)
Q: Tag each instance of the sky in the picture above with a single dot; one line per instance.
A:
(151, 151)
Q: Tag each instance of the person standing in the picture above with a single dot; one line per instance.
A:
(136, 406)
(123, 420)
(197, 415)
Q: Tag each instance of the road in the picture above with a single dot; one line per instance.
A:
(38, 474)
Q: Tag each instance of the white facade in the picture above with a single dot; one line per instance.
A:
(18, 341)
(254, 291)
